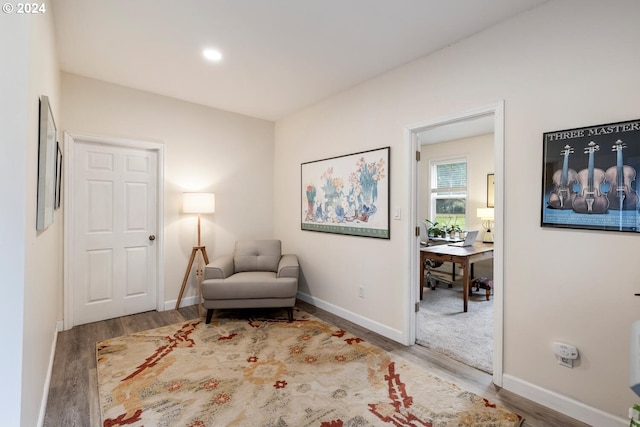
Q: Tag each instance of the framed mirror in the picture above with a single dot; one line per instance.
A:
(47, 157)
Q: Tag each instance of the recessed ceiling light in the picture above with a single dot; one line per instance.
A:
(212, 55)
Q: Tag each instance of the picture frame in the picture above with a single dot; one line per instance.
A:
(47, 156)
(58, 176)
(491, 190)
(347, 194)
(589, 177)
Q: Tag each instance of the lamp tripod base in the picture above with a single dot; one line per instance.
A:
(194, 252)
(488, 237)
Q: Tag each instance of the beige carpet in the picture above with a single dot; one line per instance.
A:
(443, 326)
(238, 372)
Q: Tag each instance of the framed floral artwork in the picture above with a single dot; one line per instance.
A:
(347, 194)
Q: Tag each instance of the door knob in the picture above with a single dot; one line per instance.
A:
(152, 237)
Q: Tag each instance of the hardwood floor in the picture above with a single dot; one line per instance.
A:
(73, 394)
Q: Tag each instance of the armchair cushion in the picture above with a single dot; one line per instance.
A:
(250, 284)
(257, 255)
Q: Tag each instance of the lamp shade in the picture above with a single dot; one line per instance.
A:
(485, 214)
(200, 203)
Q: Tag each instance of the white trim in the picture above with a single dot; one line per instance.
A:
(371, 325)
(563, 404)
(185, 302)
(411, 293)
(498, 239)
(47, 380)
(70, 138)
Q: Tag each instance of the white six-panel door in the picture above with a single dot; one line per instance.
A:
(114, 231)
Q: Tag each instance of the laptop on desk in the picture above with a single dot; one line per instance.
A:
(468, 241)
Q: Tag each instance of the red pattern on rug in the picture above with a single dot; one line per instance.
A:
(400, 402)
(181, 337)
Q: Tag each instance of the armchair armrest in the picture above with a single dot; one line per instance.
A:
(220, 268)
(288, 266)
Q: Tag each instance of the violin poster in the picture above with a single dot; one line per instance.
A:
(589, 177)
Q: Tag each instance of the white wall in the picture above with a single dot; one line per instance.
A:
(566, 64)
(205, 150)
(14, 134)
(31, 260)
(43, 262)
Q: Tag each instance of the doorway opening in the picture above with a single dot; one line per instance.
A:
(485, 120)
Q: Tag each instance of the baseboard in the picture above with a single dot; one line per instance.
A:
(352, 317)
(561, 403)
(170, 305)
(47, 382)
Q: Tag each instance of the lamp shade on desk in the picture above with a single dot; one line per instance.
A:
(487, 216)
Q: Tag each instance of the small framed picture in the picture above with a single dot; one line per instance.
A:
(491, 188)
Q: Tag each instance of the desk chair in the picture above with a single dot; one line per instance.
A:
(431, 280)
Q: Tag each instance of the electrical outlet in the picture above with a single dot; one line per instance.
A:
(361, 291)
(565, 353)
(565, 362)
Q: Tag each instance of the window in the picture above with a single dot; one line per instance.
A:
(449, 192)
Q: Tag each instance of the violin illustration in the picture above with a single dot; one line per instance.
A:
(563, 194)
(621, 195)
(590, 199)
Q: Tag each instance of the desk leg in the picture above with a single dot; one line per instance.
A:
(465, 282)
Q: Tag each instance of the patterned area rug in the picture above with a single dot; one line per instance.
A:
(239, 372)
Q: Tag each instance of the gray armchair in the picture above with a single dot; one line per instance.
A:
(257, 275)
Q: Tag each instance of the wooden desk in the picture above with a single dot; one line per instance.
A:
(445, 241)
(456, 254)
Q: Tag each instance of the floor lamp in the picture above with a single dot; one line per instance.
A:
(199, 203)
(487, 216)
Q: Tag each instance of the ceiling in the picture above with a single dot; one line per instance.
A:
(278, 55)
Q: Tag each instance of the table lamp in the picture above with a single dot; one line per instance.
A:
(199, 203)
(487, 216)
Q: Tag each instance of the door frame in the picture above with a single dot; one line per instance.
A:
(70, 139)
(412, 244)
